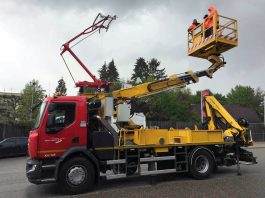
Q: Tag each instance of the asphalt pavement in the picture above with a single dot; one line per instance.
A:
(224, 183)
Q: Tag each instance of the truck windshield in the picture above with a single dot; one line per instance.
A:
(40, 115)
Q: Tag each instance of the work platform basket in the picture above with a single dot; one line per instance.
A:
(224, 36)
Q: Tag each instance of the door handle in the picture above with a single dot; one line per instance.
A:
(75, 140)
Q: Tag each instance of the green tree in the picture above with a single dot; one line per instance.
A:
(196, 99)
(116, 86)
(61, 87)
(103, 74)
(259, 102)
(172, 105)
(248, 97)
(140, 70)
(147, 71)
(242, 95)
(153, 70)
(31, 95)
(112, 72)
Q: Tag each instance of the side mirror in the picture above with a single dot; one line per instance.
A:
(50, 121)
(51, 107)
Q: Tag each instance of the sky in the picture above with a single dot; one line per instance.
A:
(33, 31)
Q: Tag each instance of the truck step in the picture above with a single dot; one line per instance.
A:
(48, 180)
(118, 176)
(48, 166)
(156, 172)
(121, 161)
(155, 159)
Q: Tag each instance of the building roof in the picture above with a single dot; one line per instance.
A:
(236, 111)
(9, 94)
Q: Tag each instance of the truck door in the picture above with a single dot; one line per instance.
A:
(61, 130)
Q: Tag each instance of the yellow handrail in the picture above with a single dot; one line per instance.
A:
(197, 35)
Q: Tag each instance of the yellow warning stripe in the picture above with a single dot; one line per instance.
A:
(51, 151)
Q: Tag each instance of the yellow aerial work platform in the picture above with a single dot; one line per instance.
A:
(224, 37)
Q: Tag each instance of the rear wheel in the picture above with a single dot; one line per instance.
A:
(132, 168)
(201, 164)
(76, 176)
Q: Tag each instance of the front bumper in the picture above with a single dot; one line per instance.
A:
(37, 173)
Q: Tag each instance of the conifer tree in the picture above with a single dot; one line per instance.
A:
(61, 87)
(140, 70)
(153, 70)
(103, 75)
(112, 72)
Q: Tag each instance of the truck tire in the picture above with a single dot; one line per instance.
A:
(201, 164)
(76, 176)
(132, 169)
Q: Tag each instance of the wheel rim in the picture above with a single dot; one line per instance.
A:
(202, 164)
(76, 175)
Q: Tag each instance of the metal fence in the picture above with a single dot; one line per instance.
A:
(8, 130)
(257, 129)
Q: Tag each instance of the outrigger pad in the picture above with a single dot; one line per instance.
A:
(247, 156)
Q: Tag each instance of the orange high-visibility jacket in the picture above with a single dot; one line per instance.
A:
(192, 26)
(208, 23)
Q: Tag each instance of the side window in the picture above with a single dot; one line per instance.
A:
(64, 114)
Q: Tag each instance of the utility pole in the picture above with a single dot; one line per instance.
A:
(32, 99)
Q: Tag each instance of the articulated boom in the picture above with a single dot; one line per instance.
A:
(219, 119)
(175, 80)
(99, 23)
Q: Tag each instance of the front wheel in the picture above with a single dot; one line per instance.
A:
(76, 176)
(201, 164)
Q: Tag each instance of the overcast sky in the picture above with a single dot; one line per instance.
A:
(32, 32)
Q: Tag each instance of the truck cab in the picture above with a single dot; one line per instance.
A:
(60, 125)
(67, 127)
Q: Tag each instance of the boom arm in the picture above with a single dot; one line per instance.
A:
(180, 80)
(218, 118)
(99, 22)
